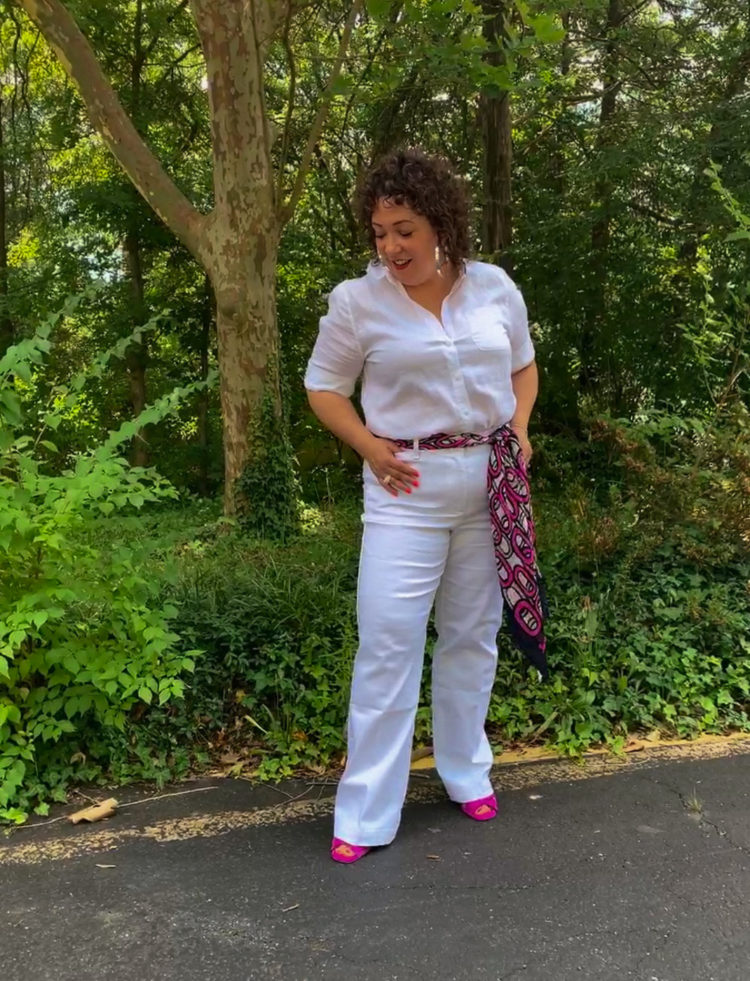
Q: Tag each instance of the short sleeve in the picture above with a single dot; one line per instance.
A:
(337, 360)
(521, 344)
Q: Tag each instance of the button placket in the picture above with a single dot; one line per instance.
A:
(459, 383)
(457, 376)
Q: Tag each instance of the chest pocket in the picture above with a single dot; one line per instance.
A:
(488, 329)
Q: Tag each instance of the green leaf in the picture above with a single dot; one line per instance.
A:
(71, 707)
(14, 814)
(12, 406)
(23, 370)
(546, 28)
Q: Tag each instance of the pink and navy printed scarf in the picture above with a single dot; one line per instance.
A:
(512, 534)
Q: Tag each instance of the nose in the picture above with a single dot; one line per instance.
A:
(388, 245)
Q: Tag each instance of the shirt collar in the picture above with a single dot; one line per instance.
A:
(380, 271)
(377, 270)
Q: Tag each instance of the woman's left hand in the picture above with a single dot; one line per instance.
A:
(523, 439)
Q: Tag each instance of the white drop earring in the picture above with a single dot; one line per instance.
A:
(439, 258)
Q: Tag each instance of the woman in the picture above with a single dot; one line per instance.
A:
(446, 357)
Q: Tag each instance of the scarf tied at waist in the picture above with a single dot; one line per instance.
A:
(513, 535)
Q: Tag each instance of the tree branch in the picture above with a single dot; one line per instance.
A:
(177, 61)
(287, 210)
(157, 36)
(656, 215)
(112, 122)
(289, 104)
(371, 57)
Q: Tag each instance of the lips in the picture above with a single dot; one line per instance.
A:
(400, 266)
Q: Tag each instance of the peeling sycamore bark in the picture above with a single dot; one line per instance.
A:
(240, 245)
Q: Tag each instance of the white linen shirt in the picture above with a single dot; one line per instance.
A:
(418, 377)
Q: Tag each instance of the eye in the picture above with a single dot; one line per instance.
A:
(406, 234)
(380, 236)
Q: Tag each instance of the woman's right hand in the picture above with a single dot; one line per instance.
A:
(392, 474)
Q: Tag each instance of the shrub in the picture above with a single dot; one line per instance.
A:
(279, 628)
(84, 637)
(648, 578)
(646, 550)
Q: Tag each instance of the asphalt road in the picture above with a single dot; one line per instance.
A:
(640, 872)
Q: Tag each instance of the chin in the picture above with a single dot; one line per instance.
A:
(410, 276)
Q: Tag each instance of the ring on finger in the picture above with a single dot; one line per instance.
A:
(387, 479)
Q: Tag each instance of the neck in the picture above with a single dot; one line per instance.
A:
(441, 283)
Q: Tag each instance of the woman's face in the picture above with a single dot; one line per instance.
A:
(405, 241)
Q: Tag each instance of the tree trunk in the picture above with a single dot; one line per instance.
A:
(7, 332)
(562, 411)
(557, 163)
(207, 317)
(248, 355)
(237, 243)
(136, 358)
(495, 125)
(244, 233)
(394, 116)
(589, 376)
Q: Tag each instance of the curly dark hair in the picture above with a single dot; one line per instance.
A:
(427, 185)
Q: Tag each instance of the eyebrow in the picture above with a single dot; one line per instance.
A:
(401, 221)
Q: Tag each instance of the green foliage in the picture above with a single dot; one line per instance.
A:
(661, 647)
(279, 627)
(84, 636)
(649, 627)
(731, 205)
(650, 612)
(646, 549)
(266, 491)
(630, 243)
(546, 28)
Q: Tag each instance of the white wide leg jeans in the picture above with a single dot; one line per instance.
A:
(433, 545)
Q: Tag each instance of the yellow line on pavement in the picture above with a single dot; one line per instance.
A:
(535, 754)
(510, 774)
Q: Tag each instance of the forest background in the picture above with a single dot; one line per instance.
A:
(178, 538)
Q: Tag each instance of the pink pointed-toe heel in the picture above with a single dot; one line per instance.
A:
(482, 809)
(342, 851)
